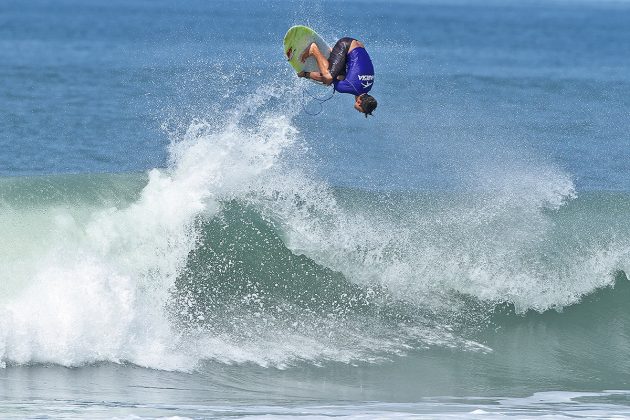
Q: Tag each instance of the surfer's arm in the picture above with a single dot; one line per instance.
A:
(318, 77)
(315, 76)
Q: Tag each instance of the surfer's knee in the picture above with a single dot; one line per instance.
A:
(355, 44)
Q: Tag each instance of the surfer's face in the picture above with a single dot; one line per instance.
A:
(357, 104)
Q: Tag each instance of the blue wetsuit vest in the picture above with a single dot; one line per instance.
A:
(359, 73)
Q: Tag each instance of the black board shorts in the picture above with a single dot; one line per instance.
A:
(337, 59)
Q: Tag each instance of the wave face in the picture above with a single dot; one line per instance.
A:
(237, 253)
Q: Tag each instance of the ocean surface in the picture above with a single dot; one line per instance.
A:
(182, 238)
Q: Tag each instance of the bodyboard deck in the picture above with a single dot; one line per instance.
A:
(297, 39)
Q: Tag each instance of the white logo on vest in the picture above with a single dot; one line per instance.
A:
(369, 78)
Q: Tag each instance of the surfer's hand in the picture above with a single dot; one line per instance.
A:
(305, 74)
(307, 52)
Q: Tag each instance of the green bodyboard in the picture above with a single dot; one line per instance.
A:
(297, 39)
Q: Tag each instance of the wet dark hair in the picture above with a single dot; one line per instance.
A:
(368, 104)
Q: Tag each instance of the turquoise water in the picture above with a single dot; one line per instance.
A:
(182, 240)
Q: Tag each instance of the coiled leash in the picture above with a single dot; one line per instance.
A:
(320, 101)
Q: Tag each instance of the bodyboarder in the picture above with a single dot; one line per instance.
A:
(349, 69)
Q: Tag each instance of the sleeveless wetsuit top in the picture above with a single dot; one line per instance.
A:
(359, 73)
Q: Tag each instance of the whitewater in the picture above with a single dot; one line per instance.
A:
(233, 253)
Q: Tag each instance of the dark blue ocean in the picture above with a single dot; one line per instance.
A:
(187, 233)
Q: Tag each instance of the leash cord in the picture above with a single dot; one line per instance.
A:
(320, 101)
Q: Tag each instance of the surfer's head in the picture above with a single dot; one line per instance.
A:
(365, 103)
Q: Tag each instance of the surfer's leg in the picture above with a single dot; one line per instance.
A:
(337, 59)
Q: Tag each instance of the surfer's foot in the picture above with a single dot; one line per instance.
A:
(308, 52)
(304, 74)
